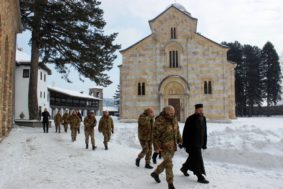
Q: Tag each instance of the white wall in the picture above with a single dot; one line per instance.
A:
(43, 101)
(21, 92)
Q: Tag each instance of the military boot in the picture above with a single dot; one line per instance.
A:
(171, 186)
(154, 156)
(202, 180)
(106, 146)
(138, 162)
(93, 147)
(86, 146)
(147, 166)
(155, 176)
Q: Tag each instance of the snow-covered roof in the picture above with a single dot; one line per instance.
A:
(72, 93)
(110, 108)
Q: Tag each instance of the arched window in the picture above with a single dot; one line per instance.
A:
(173, 33)
(207, 87)
(173, 59)
(141, 89)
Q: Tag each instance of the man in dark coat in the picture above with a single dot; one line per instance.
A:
(195, 139)
(45, 120)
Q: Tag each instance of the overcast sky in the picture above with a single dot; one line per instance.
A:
(251, 22)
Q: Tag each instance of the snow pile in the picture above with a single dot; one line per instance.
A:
(245, 154)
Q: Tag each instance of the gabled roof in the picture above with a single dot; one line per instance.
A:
(123, 50)
(219, 44)
(177, 7)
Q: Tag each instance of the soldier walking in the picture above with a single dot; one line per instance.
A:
(106, 127)
(156, 153)
(66, 120)
(90, 123)
(167, 134)
(195, 139)
(81, 119)
(74, 121)
(145, 130)
(58, 121)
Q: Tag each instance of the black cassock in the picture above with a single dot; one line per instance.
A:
(195, 139)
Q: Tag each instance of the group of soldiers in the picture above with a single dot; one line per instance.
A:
(105, 126)
(162, 133)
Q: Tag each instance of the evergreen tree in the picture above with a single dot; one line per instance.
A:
(67, 32)
(235, 54)
(273, 75)
(254, 77)
(117, 96)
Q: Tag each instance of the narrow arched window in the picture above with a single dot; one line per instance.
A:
(205, 88)
(173, 33)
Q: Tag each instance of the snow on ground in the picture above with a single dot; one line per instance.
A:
(245, 154)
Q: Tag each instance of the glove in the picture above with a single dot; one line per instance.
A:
(180, 146)
(112, 132)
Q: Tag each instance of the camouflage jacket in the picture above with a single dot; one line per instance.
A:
(166, 133)
(106, 125)
(66, 117)
(58, 119)
(89, 122)
(145, 127)
(74, 121)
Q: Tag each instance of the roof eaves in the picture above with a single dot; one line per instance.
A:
(121, 51)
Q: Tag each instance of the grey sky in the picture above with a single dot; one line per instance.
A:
(248, 21)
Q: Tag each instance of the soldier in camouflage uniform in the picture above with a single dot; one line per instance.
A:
(74, 121)
(145, 130)
(155, 146)
(66, 120)
(58, 121)
(90, 123)
(106, 126)
(167, 136)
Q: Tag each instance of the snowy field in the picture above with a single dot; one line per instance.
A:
(247, 154)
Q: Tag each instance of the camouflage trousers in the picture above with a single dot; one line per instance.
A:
(166, 165)
(74, 131)
(107, 137)
(66, 126)
(146, 150)
(89, 132)
(58, 127)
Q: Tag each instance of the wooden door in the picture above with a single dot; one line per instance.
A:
(176, 104)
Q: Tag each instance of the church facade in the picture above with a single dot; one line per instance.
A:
(176, 66)
(10, 25)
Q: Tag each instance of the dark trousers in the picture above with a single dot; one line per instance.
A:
(45, 127)
(194, 162)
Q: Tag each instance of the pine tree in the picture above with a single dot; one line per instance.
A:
(273, 75)
(254, 77)
(235, 54)
(67, 32)
(117, 96)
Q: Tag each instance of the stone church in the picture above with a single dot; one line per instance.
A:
(175, 65)
(10, 25)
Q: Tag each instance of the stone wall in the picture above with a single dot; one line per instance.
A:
(9, 27)
(200, 60)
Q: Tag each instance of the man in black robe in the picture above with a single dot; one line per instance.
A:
(195, 139)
